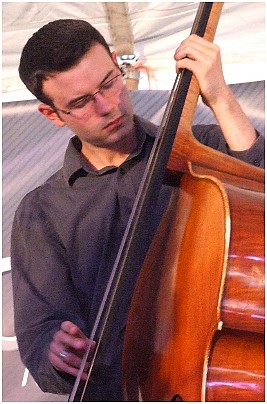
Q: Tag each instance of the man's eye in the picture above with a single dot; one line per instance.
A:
(108, 84)
(83, 102)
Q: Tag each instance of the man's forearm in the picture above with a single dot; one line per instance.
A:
(236, 127)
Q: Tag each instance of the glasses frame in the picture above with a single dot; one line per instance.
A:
(89, 97)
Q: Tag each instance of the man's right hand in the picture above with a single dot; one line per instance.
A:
(68, 348)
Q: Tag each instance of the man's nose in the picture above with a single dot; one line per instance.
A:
(103, 105)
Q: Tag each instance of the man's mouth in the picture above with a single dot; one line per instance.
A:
(114, 124)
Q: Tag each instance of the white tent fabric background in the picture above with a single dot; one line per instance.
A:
(158, 28)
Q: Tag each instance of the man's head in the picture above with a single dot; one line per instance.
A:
(68, 66)
(55, 47)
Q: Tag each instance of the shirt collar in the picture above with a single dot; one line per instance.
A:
(74, 165)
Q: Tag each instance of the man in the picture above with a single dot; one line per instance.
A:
(67, 232)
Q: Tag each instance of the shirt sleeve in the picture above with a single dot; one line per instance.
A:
(39, 271)
(212, 136)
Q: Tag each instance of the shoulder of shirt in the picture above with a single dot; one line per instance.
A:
(36, 194)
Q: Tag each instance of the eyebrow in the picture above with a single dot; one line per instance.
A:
(71, 103)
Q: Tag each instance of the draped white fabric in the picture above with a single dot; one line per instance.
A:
(158, 28)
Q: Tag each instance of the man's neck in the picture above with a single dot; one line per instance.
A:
(100, 157)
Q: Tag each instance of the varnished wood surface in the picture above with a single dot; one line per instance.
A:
(244, 299)
(236, 367)
(175, 310)
(198, 276)
(187, 150)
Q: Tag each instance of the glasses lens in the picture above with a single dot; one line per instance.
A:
(107, 90)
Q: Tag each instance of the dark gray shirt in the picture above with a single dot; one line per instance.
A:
(65, 238)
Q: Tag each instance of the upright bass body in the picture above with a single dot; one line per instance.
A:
(195, 329)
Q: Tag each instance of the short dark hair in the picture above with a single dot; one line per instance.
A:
(55, 47)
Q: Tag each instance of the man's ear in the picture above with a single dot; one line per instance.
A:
(114, 58)
(50, 114)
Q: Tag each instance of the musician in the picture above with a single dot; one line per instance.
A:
(67, 232)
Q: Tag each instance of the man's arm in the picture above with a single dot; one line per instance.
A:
(204, 60)
(43, 300)
(212, 136)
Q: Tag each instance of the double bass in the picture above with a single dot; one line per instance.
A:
(195, 326)
(195, 329)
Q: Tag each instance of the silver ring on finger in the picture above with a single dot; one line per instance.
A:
(63, 355)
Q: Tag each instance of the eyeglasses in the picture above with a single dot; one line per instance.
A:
(84, 105)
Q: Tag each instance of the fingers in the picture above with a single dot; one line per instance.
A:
(205, 54)
(70, 335)
(194, 42)
(69, 364)
(203, 59)
(67, 349)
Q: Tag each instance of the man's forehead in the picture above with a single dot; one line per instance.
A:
(84, 77)
(98, 53)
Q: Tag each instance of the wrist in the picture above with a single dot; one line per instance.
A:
(223, 102)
